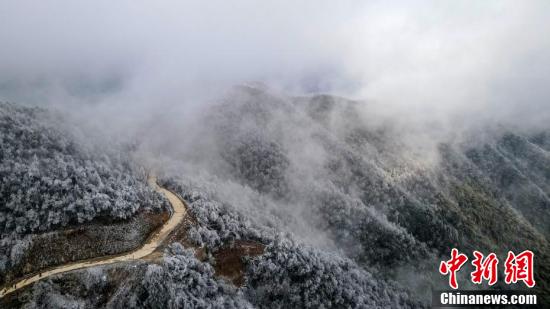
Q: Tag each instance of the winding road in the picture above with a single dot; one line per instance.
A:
(179, 212)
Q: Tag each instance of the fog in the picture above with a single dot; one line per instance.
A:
(416, 59)
(220, 95)
(137, 70)
(161, 51)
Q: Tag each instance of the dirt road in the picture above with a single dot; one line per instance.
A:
(153, 242)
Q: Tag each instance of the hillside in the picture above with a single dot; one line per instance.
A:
(62, 200)
(346, 213)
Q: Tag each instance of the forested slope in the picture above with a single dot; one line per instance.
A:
(52, 182)
(350, 213)
(392, 201)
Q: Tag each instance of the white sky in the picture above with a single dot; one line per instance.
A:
(429, 57)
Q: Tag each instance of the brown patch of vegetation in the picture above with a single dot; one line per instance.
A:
(93, 240)
(229, 261)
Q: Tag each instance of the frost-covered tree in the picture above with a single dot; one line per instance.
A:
(49, 180)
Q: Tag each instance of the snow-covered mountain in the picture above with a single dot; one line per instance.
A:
(348, 212)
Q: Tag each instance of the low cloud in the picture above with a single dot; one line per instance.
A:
(444, 65)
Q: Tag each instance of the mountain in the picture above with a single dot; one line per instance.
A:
(294, 201)
(63, 201)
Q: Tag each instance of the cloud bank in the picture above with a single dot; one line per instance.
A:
(421, 60)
